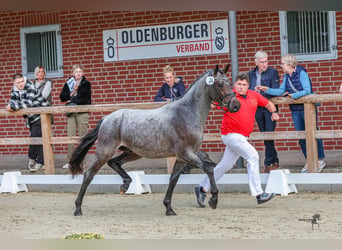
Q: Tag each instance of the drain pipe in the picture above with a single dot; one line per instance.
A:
(234, 59)
(233, 44)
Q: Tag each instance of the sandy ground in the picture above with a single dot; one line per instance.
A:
(40, 215)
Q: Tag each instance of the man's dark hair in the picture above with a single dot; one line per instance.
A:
(242, 76)
(16, 76)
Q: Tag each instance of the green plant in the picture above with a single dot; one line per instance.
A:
(84, 236)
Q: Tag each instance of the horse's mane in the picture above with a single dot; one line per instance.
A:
(193, 83)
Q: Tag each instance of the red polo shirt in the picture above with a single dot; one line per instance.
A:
(242, 122)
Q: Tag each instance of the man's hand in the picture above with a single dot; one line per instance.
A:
(287, 94)
(275, 117)
(262, 88)
(8, 108)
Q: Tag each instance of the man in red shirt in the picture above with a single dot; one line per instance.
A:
(235, 129)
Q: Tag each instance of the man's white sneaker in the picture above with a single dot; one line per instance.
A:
(304, 169)
(31, 165)
(40, 167)
(65, 166)
(321, 165)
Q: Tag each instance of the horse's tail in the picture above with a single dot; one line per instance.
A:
(86, 142)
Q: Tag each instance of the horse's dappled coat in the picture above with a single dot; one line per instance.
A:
(175, 129)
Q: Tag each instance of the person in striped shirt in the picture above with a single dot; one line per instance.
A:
(25, 95)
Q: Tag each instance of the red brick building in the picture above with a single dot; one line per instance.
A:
(81, 35)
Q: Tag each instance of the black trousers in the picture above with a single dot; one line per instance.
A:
(36, 151)
(265, 124)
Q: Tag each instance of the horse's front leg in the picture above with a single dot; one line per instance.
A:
(213, 187)
(208, 168)
(116, 163)
(172, 183)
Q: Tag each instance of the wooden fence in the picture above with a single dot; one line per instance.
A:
(47, 140)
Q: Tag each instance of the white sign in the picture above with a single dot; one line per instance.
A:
(184, 39)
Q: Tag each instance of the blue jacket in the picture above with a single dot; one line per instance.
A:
(269, 78)
(165, 92)
(301, 82)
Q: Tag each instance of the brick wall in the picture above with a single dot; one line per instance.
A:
(139, 80)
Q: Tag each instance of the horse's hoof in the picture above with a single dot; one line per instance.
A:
(78, 213)
(122, 189)
(213, 203)
(168, 213)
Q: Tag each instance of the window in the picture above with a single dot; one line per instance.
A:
(310, 35)
(41, 45)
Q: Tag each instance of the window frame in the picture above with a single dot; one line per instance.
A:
(313, 56)
(40, 29)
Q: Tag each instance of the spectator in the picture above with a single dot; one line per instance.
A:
(43, 85)
(172, 88)
(76, 91)
(340, 89)
(25, 95)
(235, 129)
(169, 91)
(263, 75)
(296, 83)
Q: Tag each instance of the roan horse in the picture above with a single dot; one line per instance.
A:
(175, 129)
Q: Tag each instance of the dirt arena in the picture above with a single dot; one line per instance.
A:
(40, 215)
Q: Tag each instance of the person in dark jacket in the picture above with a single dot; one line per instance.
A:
(172, 88)
(25, 95)
(263, 75)
(296, 83)
(76, 91)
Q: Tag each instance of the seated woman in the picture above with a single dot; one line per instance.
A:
(172, 88)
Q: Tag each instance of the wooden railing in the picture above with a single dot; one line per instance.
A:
(47, 140)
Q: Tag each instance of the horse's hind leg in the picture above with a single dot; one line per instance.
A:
(87, 178)
(172, 183)
(116, 163)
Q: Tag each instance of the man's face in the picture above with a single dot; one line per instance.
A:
(19, 82)
(241, 87)
(262, 64)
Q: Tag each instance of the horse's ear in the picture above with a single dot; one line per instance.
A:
(226, 68)
(216, 69)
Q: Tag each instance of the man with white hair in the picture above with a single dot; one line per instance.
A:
(263, 75)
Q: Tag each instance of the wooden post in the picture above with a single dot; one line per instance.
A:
(49, 160)
(170, 161)
(310, 134)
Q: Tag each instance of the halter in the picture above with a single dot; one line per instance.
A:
(221, 104)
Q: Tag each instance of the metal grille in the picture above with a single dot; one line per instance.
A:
(308, 32)
(42, 50)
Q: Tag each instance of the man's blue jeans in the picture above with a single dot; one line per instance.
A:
(299, 124)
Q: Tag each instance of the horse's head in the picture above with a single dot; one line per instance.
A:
(220, 89)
